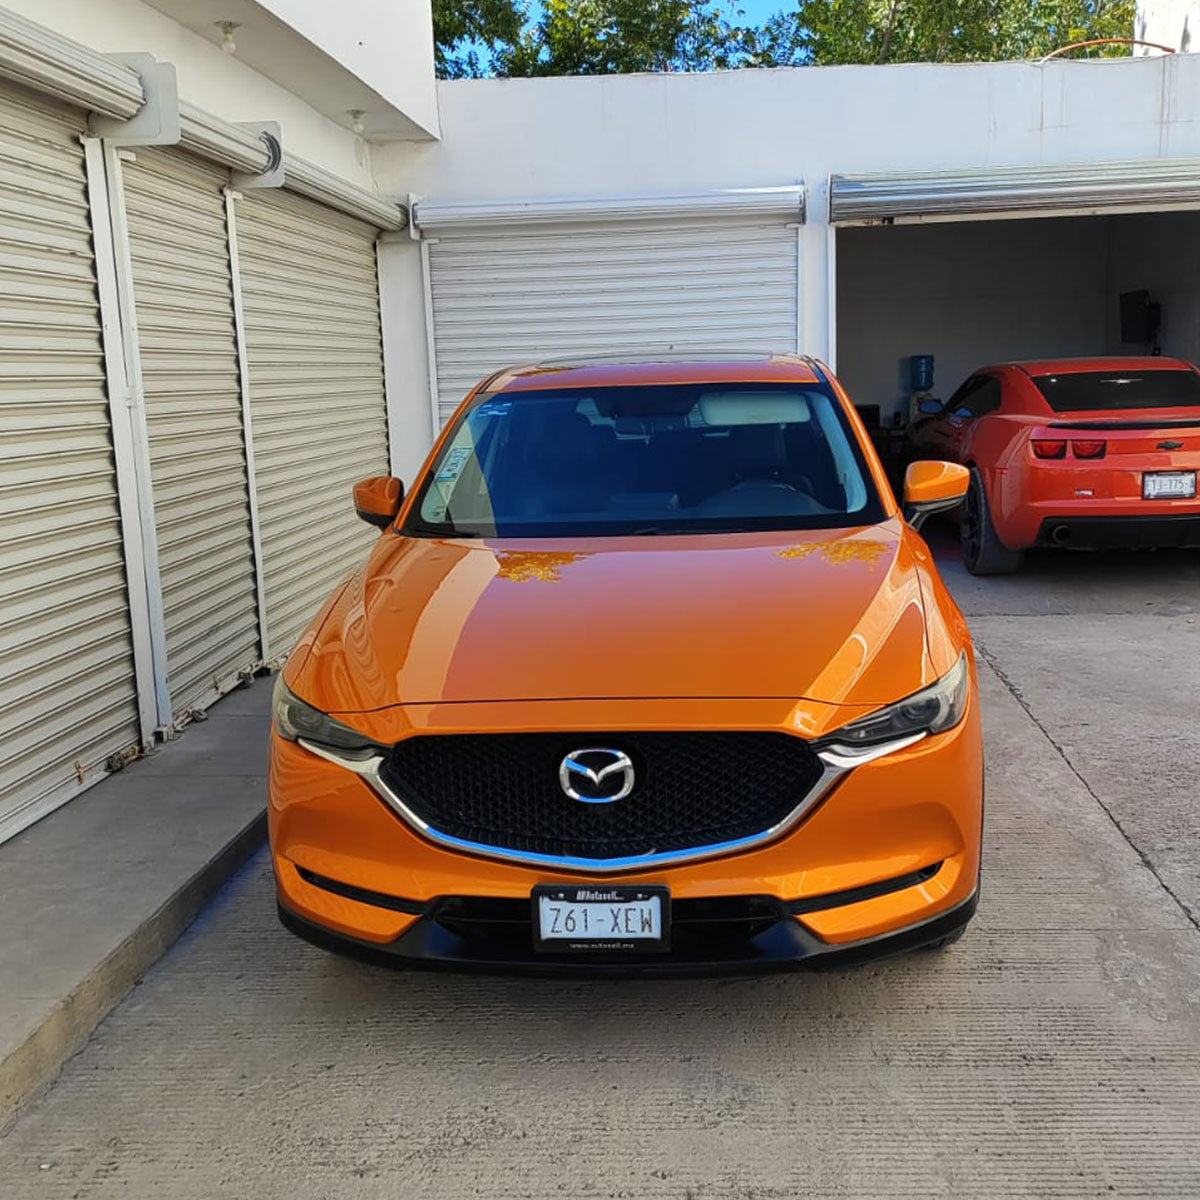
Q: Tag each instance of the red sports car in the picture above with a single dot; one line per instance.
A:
(1083, 452)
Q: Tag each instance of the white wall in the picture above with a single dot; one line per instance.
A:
(647, 133)
(1173, 23)
(409, 395)
(968, 293)
(207, 77)
(673, 133)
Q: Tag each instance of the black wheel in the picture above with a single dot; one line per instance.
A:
(982, 551)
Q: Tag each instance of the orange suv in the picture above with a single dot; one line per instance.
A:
(649, 672)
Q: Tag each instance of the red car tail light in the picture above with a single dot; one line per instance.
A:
(1044, 449)
(1090, 449)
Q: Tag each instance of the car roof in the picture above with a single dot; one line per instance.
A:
(667, 367)
(1078, 366)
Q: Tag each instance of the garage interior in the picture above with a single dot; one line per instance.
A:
(976, 292)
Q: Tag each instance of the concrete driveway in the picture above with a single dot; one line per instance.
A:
(1055, 1051)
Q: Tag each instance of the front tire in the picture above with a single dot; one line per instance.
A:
(982, 550)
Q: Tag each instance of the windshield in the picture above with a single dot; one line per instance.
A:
(1095, 391)
(658, 459)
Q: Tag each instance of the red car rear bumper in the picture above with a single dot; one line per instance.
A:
(1066, 503)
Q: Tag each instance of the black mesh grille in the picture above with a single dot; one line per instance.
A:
(692, 789)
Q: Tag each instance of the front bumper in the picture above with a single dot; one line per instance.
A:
(919, 807)
(436, 940)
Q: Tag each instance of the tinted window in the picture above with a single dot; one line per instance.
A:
(960, 397)
(1109, 391)
(977, 397)
(985, 398)
(694, 458)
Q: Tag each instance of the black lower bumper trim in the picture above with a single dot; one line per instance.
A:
(783, 944)
(868, 891)
(1153, 531)
(492, 911)
(361, 894)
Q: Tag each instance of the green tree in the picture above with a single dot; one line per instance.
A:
(608, 37)
(462, 28)
(617, 37)
(897, 31)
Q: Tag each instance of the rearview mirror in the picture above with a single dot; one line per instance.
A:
(931, 487)
(377, 500)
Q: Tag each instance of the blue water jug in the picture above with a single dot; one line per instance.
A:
(920, 372)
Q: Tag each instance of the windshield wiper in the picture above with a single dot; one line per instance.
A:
(445, 529)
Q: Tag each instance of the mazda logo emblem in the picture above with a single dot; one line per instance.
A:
(596, 775)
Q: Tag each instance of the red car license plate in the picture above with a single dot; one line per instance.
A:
(1169, 485)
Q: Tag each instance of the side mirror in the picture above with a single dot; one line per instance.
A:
(931, 487)
(377, 500)
(929, 407)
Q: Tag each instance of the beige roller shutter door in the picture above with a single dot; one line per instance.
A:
(67, 693)
(527, 291)
(183, 296)
(310, 296)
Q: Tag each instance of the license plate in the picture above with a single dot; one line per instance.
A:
(600, 917)
(1169, 485)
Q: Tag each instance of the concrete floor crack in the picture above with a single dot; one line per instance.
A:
(1019, 697)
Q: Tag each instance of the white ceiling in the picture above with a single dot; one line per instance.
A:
(282, 54)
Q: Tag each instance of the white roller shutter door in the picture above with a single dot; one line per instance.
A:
(1034, 189)
(521, 292)
(183, 292)
(67, 693)
(310, 298)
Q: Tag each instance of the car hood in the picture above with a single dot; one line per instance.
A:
(829, 616)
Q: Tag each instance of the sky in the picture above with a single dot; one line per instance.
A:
(757, 11)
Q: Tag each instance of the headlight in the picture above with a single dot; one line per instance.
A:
(931, 710)
(294, 719)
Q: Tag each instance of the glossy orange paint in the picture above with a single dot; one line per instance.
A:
(934, 482)
(798, 632)
(615, 372)
(377, 499)
(1025, 492)
(458, 621)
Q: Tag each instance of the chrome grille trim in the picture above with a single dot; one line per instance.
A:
(836, 761)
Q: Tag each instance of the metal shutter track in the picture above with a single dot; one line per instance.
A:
(67, 693)
(184, 300)
(311, 302)
(518, 295)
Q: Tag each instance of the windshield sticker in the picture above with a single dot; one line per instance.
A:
(493, 408)
(452, 466)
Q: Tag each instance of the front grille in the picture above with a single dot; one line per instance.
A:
(692, 790)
